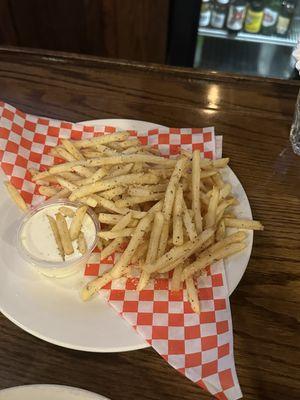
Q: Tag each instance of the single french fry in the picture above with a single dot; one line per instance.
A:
(109, 205)
(69, 146)
(163, 238)
(152, 247)
(104, 139)
(207, 259)
(56, 235)
(147, 189)
(95, 285)
(140, 252)
(210, 217)
(111, 247)
(225, 191)
(83, 171)
(66, 211)
(15, 196)
(243, 224)
(192, 294)
(196, 175)
(188, 223)
(131, 142)
(176, 278)
(221, 230)
(76, 223)
(107, 235)
(110, 219)
(61, 194)
(64, 234)
(62, 153)
(129, 201)
(111, 193)
(123, 222)
(97, 176)
(104, 150)
(69, 176)
(177, 217)
(120, 170)
(82, 246)
(48, 191)
(218, 181)
(112, 183)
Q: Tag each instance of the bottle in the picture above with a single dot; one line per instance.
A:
(285, 17)
(219, 14)
(205, 13)
(254, 16)
(271, 12)
(236, 15)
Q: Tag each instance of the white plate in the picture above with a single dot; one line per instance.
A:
(51, 308)
(48, 392)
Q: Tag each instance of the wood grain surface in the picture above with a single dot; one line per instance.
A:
(136, 30)
(254, 116)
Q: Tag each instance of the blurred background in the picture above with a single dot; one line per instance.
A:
(232, 36)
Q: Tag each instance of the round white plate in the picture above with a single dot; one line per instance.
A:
(51, 308)
(48, 392)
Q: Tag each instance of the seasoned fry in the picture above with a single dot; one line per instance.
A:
(130, 201)
(177, 218)
(16, 197)
(82, 246)
(64, 234)
(110, 219)
(140, 253)
(113, 137)
(243, 224)
(210, 217)
(107, 235)
(69, 146)
(56, 235)
(83, 171)
(147, 189)
(192, 294)
(62, 153)
(97, 176)
(176, 278)
(111, 193)
(66, 211)
(111, 247)
(120, 170)
(48, 190)
(220, 232)
(123, 222)
(188, 223)
(61, 194)
(196, 175)
(76, 223)
(109, 205)
(152, 248)
(111, 183)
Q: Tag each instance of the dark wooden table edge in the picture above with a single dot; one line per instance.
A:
(177, 72)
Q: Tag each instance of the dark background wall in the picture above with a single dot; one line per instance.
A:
(131, 29)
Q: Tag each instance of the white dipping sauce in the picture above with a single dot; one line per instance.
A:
(38, 239)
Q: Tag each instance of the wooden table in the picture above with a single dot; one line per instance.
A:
(254, 115)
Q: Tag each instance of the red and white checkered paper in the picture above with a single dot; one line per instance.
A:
(198, 346)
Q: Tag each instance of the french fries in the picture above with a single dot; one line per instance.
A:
(64, 234)
(76, 223)
(16, 197)
(172, 214)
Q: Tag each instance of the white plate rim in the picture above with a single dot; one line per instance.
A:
(53, 388)
(135, 125)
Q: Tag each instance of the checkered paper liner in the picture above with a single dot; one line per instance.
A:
(198, 346)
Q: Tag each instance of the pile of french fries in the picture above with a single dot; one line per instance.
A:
(171, 213)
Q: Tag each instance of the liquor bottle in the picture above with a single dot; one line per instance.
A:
(271, 12)
(254, 16)
(285, 17)
(219, 14)
(205, 13)
(236, 15)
